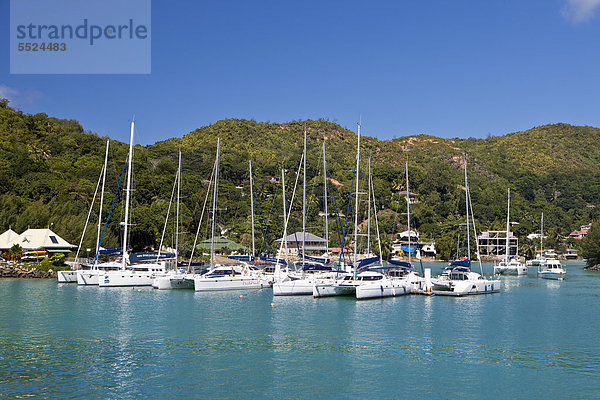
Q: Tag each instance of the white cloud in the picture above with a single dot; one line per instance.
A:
(18, 98)
(580, 10)
(8, 93)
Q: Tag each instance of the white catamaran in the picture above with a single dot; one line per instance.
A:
(130, 274)
(509, 265)
(225, 277)
(457, 279)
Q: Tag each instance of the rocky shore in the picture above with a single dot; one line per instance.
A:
(20, 272)
(593, 268)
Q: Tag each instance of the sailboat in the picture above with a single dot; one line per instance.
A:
(225, 277)
(89, 276)
(73, 275)
(301, 282)
(457, 279)
(510, 265)
(401, 278)
(363, 276)
(163, 281)
(552, 269)
(549, 268)
(539, 259)
(130, 274)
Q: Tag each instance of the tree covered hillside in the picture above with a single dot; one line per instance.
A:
(49, 169)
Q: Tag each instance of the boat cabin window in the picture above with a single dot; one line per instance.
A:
(457, 276)
(371, 278)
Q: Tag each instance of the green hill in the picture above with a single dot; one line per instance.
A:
(49, 170)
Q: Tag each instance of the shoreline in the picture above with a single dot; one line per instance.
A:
(33, 273)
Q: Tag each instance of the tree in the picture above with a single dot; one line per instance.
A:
(15, 252)
(590, 246)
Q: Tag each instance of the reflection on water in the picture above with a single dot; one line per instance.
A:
(86, 342)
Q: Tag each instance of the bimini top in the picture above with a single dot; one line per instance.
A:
(322, 260)
(273, 260)
(401, 264)
(366, 262)
(307, 266)
(461, 263)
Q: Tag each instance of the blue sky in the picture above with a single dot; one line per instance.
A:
(449, 69)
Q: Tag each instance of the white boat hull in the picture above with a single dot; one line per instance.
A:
(333, 289)
(384, 288)
(467, 287)
(522, 270)
(203, 284)
(130, 277)
(297, 287)
(67, 276)
(88, 276)
(559, 276)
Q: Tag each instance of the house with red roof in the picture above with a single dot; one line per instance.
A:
(581, 233)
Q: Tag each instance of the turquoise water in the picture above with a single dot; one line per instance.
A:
(538, 338)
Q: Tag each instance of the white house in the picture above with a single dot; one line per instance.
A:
(35, 239)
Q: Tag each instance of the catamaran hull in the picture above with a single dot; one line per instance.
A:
(463, 288)
(298, 287)
(126, 278)
(510, 271)
(67, 276)
(558, 276)
(329, 290)
(87, 277)
(377, 290)
(227, 283)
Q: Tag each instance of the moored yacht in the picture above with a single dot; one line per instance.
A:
(552, 269)
(229, 277)
(66, 276)
(374, 287)
(458, 280)
(302, 281)
(132, 275)
(90, 276)
(509, 265)
(141, 274)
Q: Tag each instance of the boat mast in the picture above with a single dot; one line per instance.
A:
(372, 190)
(127, 196)
(325, 197)
(506, 252)
(408, 212)
(304, 204)
(467, 207)
(101, 203)
(356, 203)
(285, 221)
(369, 211)
(542, 238)
(252, 209)
(177, 212)
(212, 236)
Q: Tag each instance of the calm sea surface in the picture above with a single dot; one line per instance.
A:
(535, 339)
